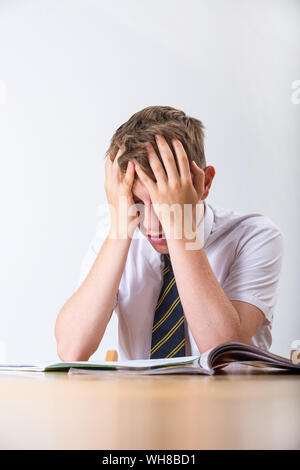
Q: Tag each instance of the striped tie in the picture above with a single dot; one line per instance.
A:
(168, 339)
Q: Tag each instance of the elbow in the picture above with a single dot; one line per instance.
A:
(216, 338)
(68, 350)
(234, 334)
(70, 353)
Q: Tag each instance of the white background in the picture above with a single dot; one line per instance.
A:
(74, 70)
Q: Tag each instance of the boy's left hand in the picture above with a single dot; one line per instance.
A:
(172, 187)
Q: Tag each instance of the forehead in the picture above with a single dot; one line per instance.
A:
(140, 190)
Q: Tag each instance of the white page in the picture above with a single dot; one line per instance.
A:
(131, 364)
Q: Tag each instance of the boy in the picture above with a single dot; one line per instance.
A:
(182, 275)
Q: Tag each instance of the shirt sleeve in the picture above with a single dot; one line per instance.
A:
(254, 274)
(93, 250)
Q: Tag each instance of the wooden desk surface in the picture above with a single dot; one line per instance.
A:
(230, 411)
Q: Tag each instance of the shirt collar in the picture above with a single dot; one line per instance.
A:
(208, 221)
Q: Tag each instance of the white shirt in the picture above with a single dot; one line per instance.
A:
(244, 252)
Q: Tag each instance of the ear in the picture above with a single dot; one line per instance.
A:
(209, 176)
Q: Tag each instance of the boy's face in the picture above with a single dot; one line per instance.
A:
(150, 224)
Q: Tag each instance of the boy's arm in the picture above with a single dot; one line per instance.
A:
(82, 321)
(234, 311)
(212, 317)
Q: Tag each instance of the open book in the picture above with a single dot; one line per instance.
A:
(207, 363)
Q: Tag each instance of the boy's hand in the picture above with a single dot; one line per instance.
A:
(172, 187)
(123, 212)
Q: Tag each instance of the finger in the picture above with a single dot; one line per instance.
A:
(115, 171)
(121, 150)
(156, 166)
(129, 175)
(148, 182)
(182, 160)
(168, 158)
(199, 178)
(108, 167)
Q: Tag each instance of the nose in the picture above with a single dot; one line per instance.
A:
(151, 222)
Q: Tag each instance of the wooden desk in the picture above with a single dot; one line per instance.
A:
(230, 411)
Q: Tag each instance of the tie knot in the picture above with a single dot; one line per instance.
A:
(167, 261)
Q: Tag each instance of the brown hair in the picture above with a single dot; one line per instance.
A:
(163, 120)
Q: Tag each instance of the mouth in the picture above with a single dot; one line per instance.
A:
(158, 238)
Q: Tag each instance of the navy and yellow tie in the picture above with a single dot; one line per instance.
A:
(168, 339)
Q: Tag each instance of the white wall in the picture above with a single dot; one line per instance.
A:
(74, 70)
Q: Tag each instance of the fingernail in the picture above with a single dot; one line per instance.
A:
(158, 136)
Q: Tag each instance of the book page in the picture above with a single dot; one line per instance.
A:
(138, 364)
(187, 368)
(244, 353)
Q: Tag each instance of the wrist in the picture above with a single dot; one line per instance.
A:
(186, 238)
(123, 223)
(121, 232)
(114, 237)
(183, 227)
(179, 228)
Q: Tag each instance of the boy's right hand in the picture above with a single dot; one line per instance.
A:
(124, 216)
